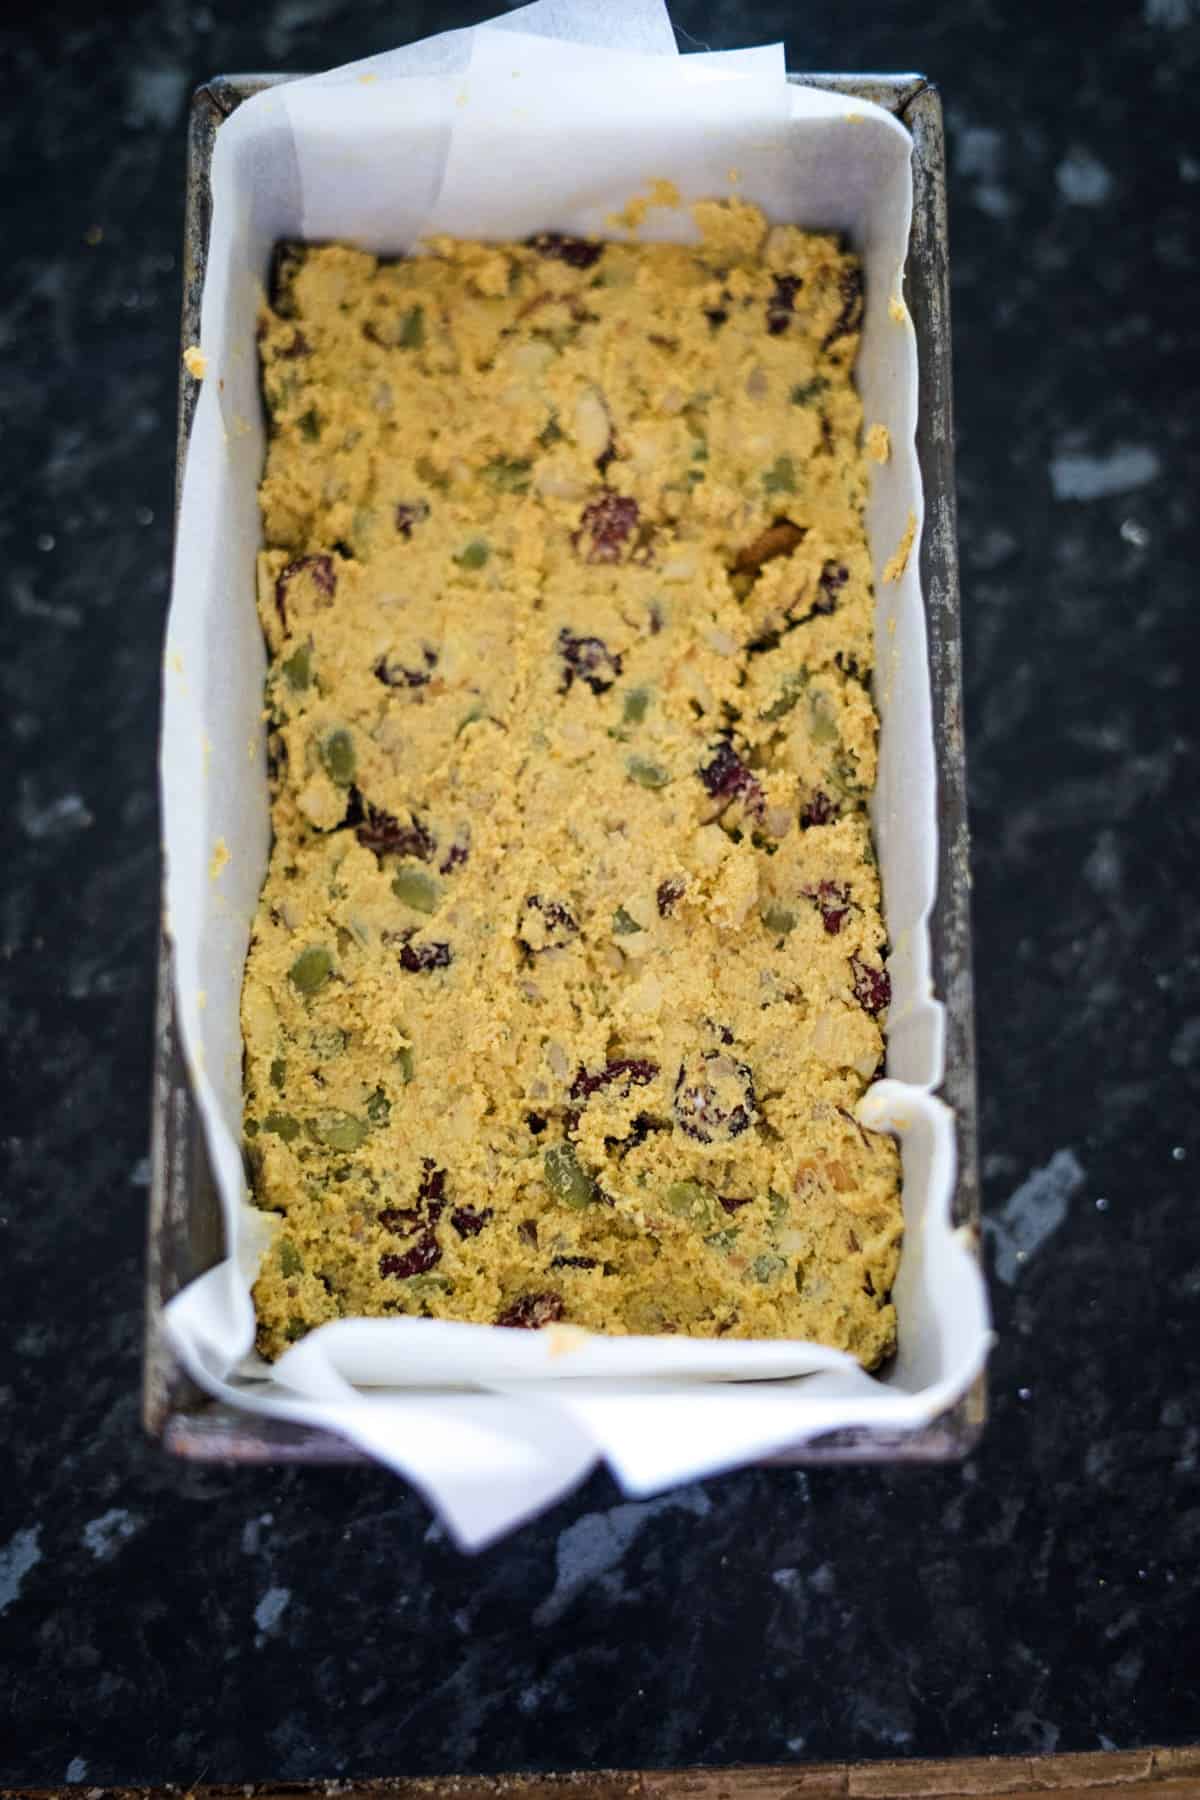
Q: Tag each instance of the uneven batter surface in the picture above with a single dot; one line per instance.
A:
(567, 972)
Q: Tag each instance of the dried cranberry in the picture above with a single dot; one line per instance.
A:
(573, 1262)
(532, 1311)
(714, 1097)
(299, 346)
(731, 1202)
(587, 659)
(400, 1219)
(432, 1186)
(403, 1263)
(320, 571)
(833, 579)
(424, 957)
(820, 810)
(872, 987)
(536, 1123)
(638, 1132)
(832, 902)
(431, 1202)
(469, 1223)
(669, 892)
(558, 924)
(607, 522)
(577, 253)
(410, 513)
(716, 316)
(633, 1071)
(727, 778)
(397, 675)
(386, 836)
(849, 319)
(458, 852)
(782, 303)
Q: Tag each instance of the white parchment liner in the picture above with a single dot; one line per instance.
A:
(496, 132)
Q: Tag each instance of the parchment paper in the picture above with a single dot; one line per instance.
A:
(497, 132)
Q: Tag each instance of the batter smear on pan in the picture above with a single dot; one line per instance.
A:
(568, 969)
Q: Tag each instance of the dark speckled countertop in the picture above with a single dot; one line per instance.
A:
(159, 1622)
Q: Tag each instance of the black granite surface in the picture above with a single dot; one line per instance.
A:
(164, 1622)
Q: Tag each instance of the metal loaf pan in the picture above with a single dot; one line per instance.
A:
(185, 1231)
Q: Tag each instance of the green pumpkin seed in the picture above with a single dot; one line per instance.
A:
(507, 475)
(723, 1241)
(404, 1062)
(780, 478)
(565, 1179)
(311, 969)
(768, 1267)
(282, 1125)
(310, 425)
(431, 475)
(690, 1200)
(647, 774)
(791, 688)
(474, 555)
(411, 335)
(278, 1074)
(636, 702)
(416, 888)
(624, 924)
(339, 1131)
(295, 1328)
(290, 1260)
(778, 919)
(298, 668)
(824, 725)
(338, 758)
(379, 1108)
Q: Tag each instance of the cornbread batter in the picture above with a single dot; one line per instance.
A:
(567, 972)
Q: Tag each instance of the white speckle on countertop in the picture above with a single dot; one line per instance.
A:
(1083, 179)
(1173, 15)
(1033, 1213)
(105, 1535)
(21, 1553)
(1075, 476)
(253, 1531)
(979, 150)
(51, 818)
(592, 1548)
(270, 1611)
(76, 1770)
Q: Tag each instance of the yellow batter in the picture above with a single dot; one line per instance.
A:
(567, 972)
